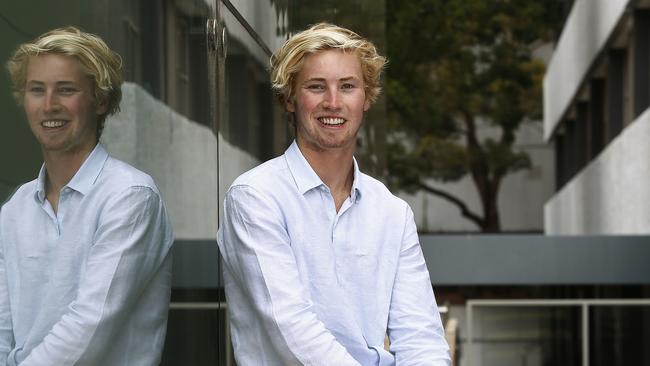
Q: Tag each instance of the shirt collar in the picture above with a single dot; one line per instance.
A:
(355, 195)
(85, 177)
(39, 194)
(306, 178)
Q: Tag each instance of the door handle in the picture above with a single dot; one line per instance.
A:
(217, 37)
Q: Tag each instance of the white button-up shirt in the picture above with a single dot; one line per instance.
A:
(89, 285)
(308, 285)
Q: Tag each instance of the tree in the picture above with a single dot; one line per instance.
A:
(455, 65)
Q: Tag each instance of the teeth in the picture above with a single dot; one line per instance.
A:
(53, 123)
(331, 121)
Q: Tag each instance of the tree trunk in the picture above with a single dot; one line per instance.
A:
(488, 189)
(491, 220)
(490, 199)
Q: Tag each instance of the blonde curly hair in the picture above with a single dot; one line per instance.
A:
(287, 62)
(100, 63)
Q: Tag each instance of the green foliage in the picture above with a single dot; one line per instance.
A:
(358, 15)
(453, 65)
(442, 159)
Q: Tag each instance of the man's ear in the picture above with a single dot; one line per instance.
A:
(102, 107)
(289, 106)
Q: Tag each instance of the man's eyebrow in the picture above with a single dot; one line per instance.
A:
(313, 79)
(65, 82)
(349, 78)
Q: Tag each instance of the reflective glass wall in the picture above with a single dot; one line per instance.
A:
(197, 111)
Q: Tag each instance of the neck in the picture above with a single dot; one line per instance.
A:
(335, 168)
(61, 167)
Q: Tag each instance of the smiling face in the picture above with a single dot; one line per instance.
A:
(329, 101)
(59, 104)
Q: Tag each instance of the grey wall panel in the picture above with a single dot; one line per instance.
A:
(196, 264)
(537, 259)
(472, 260)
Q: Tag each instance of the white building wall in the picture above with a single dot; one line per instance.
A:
(181, 156)
(610, 195)
(585, 33)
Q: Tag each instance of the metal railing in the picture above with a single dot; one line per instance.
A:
(584, 304)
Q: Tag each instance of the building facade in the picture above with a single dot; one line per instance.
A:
(596, 99)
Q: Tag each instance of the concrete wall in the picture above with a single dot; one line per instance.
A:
(610, 195)
(181, 156)
(585, 33)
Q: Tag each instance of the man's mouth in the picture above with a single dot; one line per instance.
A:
(53, 123)
(331, 121)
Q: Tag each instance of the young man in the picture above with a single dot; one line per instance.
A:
(85, 263)
(321, 260)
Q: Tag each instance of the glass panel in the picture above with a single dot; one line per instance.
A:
(619, 335)
(165, 128)
(253, 123)
(194, 337)
(531, 336)
(252, 127)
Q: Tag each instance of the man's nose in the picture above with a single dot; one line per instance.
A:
(52, 103)
(332, 98)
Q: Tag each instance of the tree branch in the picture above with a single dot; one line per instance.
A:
(464, 210)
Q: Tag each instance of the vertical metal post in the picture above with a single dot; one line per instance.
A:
(585, 334)
(229, 357)
(470, 334)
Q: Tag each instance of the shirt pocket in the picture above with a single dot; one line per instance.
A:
(366, 264)
(33, 268)
(33, 258)
(314, 257)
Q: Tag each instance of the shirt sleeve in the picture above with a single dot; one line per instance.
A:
(256, 250)
(131, 244)
(6, 328)
(414, 326)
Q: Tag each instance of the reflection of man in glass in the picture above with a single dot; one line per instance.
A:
(321, 260)
(85, 261)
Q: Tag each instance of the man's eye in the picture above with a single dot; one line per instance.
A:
(67, 91)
